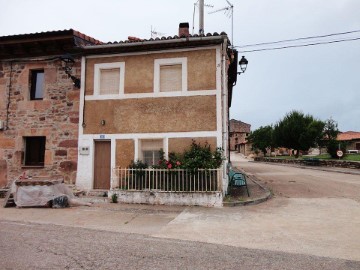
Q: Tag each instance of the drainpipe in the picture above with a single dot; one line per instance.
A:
(225, 101)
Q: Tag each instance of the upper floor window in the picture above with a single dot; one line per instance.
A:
(170, 74)
(109, 78)
(36, 84)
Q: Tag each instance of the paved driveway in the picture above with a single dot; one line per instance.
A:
(312, 212)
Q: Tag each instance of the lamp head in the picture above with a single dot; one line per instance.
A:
(243, 63)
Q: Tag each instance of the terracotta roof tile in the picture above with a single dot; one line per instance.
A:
(52, 33)
(134, 40)
(348, 136)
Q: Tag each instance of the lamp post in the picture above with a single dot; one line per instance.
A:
(243, 65)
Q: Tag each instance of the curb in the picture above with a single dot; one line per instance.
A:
(255, 201)
(319, 168)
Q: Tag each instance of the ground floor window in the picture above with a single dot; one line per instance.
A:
(34, 151)
(150, 150)
(357, 146)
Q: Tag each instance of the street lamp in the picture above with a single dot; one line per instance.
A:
(243, 64)
(69, 62)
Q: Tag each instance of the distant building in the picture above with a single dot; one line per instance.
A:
(352, 138)
(238, 134)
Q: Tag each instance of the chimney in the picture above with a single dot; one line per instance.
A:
(183, 29)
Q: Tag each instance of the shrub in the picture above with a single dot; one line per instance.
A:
(114, 198)
(202, 157)
(333, 147)
(138, 165)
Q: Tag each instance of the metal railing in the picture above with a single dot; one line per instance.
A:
(174, 180)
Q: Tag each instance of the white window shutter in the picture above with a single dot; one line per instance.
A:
(109, 81)
(170, 78)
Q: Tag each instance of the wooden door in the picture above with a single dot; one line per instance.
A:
(102, 165)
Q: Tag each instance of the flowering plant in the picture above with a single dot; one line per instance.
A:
(172, 163)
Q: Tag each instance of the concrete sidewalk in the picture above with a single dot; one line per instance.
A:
(313, 224)
(328, 227)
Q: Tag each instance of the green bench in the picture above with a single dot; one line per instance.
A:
(237, 179)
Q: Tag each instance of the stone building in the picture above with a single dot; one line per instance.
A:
(39, 104)
(238, 133)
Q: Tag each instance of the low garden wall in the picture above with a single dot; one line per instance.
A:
(305, 162)
(208, 199)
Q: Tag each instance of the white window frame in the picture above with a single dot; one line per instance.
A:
(139, 147)
(170, 61)
(97, 74)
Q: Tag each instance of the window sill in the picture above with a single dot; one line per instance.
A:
(32, 167)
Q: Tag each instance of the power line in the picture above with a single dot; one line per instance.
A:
(297, 39)
(303, 45)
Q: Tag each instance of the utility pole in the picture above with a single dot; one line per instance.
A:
(201, 17)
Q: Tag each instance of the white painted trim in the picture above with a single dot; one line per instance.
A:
(82, 92)
(170, 61)
(156, 95)
(97, 71)
(135, 136)
(155, 52)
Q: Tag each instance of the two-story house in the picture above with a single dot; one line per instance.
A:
(140, 96)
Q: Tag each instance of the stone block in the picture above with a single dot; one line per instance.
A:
(6, 143)
(48, 157)
(42, 105)
(60, 153)
(68, 166)
(69, 143)
(73, 95)
(50, 75)
(3, 173)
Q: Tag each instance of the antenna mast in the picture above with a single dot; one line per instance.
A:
(229, 11)
(154, 33)
(201, 5)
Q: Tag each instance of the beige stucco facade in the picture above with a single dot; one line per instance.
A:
(140, 111)
(139, 75)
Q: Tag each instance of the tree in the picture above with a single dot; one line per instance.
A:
(298, 131)
(330, 134)
(331, 130)
(261, 138)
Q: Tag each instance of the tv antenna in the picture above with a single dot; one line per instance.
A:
(155, 34)
(229, 12)
(201, 6)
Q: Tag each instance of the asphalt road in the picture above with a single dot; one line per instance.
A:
(34, 246)
(305, 182)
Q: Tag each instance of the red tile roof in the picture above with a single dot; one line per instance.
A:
(53, 33)
(133, 39)
(348, 136)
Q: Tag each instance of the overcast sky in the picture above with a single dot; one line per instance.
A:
(322, 80)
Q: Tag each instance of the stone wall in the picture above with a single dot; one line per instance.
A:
(56, 117)
(324, 163)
